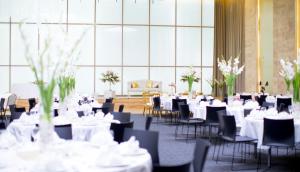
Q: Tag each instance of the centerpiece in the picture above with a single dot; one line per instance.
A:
(46, 64)
(111, 78)
(190, 77)
(291, 75)
(230, 71)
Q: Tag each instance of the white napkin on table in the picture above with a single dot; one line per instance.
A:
(103, 137)
(109, 117)
(131, 146)
(237, 103)
(251, 105)
(27, 119)
(99, 114)
(270, 99)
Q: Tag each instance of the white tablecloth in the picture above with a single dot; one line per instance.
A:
(82, 128)
(73, 156)
(253, 127)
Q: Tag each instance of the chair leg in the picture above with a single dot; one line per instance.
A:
(187, 134)
(269, 157)
(233, 156)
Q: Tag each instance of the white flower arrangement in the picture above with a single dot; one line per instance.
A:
(111, 77)
(190, 76)
(230, 70)
(287, 70)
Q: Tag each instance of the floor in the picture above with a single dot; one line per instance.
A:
(178, 151)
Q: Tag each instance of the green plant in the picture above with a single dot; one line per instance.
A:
(110, 77)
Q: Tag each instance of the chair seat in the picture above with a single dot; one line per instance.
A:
(239, 139)
(279, 145)
(189, 121)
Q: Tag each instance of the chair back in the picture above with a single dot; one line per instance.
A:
(64, 131)
(212, 115)
(184, 111)
(284, 102)
(175, 102)
(245, 97)
(14, 114)
(261, 99)
(109, 105)
(80, 114)
(279, 132)
(227, 126)
(200, 154)
(118, 130)
(147, 139)
(109, 100)
(123, 117)
(247, 112)
(174, 168)
(283, 108)
(148, 122)
(156, 103)
(55, 112)
(32, 103)
(2, 104)
(121, 108)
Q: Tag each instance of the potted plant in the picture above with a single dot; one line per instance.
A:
(190, 76)
(111, 78)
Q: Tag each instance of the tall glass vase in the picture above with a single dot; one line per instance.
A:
(190, 84)
(230, 80)
(46, 130)
(296, 86)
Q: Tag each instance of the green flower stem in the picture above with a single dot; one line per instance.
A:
(230, 80)
(190, 83)
(296, 86)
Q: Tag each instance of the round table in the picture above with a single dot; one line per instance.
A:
(82, 128)
(254, 124)
(73, 156)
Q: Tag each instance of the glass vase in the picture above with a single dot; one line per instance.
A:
(296, 85)
(46, 130)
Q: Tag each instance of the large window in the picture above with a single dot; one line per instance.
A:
(138, 39)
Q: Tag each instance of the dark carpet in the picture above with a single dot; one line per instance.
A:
(178, 151)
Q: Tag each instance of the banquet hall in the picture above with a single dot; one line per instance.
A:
(149, 85)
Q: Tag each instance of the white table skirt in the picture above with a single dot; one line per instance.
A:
(236, 111)
(254, 128)
(70, 156)
(80, 132)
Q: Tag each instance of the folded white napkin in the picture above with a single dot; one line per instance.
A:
(103, 137)
(237, 103)
(108, 117)
(99, 115)
(132, 146)
(251, 105)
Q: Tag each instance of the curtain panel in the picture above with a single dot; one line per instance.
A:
(229, 38)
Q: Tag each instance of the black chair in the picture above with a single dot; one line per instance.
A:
(32, 103)
(245, 97)
(109, 100)
(185, 119)
(147, 139)
(156, 108)
(80, 114)
(15, 113)
(175, 168)
(55, 112)
(278, 133)
(283, 108)
(109, 105)
(2, 106)
(148, 122)
(200, 154)
(212, 119)
(64, 131)
(284, 102)
(121, 108)
(261, 99)
(247, 112)
(228, 134)
(123, 117)
(175, 108)
(118, 130)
